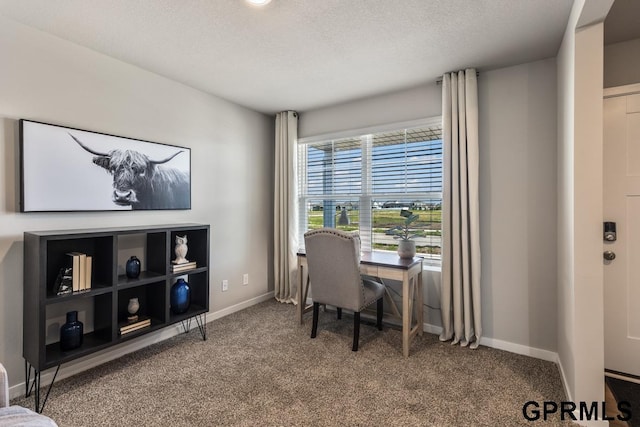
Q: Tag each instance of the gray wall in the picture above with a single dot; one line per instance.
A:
(47, 79)
(410, 104)
(518, 203)
(517, 194)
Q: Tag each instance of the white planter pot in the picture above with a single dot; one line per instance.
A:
(406, 248)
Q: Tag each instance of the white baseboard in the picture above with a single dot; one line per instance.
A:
(431, 329)
(240, 306)
(563, 377)
(120, 350)
(504, 345)
(525, 350)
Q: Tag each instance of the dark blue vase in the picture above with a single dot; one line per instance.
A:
(71, 333)
(133, 268)
(180, 297)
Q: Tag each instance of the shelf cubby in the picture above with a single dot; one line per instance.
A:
(197, 243)
(98, 247)
(97, 314)
(152, 300)
(199, 285)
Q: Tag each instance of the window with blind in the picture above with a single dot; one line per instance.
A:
(362, 184)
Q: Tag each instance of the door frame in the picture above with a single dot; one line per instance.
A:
(613, 92)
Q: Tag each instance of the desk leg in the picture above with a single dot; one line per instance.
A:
(412, 298)
(302, 298)
(406, 314)
(420, 302)
(303, 292)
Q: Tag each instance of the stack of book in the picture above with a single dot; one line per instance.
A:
(132, 326)
(81, 271)
(177, 268)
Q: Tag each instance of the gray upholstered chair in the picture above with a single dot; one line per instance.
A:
(333, 257)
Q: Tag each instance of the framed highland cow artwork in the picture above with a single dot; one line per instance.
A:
(65, 169)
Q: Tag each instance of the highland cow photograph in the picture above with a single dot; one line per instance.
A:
(66, 169)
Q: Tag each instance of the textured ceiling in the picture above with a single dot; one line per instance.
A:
(304, 54)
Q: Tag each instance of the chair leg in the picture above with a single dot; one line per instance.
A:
(379, 311)
(339, 310)
(356, 330)
(314, 327)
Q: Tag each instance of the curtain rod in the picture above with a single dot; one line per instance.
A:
(439, 79)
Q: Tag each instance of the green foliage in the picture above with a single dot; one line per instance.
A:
(429, 224)
(404, 232)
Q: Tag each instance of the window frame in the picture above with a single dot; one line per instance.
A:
(366, 195)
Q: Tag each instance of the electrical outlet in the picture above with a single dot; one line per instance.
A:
(225, 285)
(245, 279)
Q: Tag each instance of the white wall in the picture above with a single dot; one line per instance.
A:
(622, 63)
(565, 231)
(47, 79)
(580, 277)
(588, 214)
(517, 194)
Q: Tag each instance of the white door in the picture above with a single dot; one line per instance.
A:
(622, 206)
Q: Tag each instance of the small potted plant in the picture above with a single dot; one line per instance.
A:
(403, 233)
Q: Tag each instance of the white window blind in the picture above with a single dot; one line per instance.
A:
(361, 183)
(407, 162)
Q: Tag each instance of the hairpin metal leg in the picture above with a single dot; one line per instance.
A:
(34, 385)
(186, 325)
(202, 326)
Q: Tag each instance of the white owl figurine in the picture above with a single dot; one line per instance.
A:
(181, 250)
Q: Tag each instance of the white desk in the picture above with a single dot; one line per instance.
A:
(384, 265)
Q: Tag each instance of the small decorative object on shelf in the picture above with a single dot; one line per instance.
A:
(135, 325)
(133, 268)
(64, 281)
(181, 250)
(177, 268)
(132, 308)
(71, 333)
(180, 296)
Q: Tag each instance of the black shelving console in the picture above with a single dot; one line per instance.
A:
(103, 307)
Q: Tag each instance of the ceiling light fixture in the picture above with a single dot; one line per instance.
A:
(259, 2)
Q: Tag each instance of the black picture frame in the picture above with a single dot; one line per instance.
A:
(65, 169)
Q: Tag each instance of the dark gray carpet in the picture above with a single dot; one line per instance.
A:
(258, 367)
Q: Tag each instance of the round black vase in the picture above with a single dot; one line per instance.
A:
(71, 333)
(133, 268)
(180, 297)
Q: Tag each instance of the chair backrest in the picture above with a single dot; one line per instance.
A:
(333, 257)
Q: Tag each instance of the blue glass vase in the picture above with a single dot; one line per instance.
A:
(180, 297)
(132, 268)
(71, 333)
